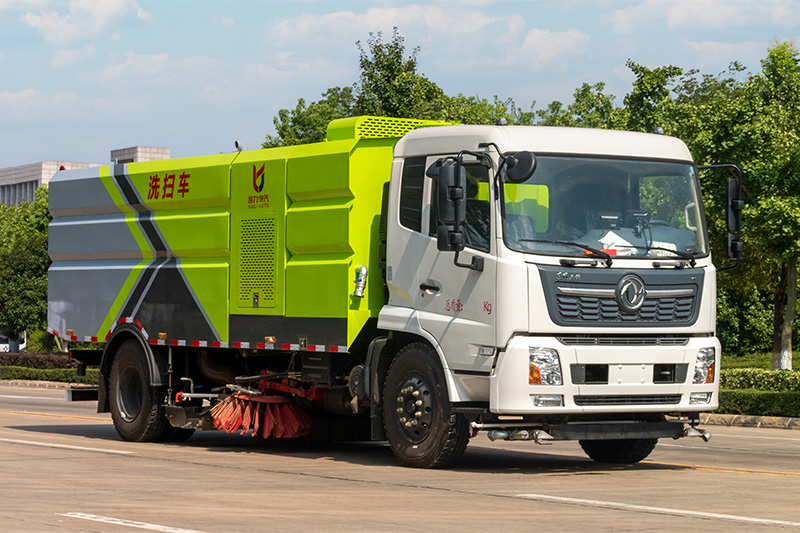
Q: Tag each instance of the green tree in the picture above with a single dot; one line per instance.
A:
(308, 123)
(591, 107)
(647, 104)
(751, 120)
(23, 265)
(776, 213)
(390, 86)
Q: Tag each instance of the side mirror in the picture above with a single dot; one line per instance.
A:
(734, 205)
(734, 247)
(449, 240)
(452, 195)
(520, 167)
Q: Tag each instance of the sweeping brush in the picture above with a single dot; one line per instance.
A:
(266, 416)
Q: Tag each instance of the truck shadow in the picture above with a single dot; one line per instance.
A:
(477, 459)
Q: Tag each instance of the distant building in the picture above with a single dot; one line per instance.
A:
(19, 183)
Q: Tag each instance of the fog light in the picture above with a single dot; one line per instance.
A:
(544, 367)
(700, 397)
(704, 366)
(547, 400)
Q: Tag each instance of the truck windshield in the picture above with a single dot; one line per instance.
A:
(623, 208)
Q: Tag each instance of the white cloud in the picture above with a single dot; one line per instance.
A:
(416, 23)
(82, 19)
(22, 5)
(30, 104)
(708, 14)
(227, 22)
(69, 56)
(712, 52)
(541, 47)
(156, 70)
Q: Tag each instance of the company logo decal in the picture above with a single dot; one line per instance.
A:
(258, 178)
(630, 293)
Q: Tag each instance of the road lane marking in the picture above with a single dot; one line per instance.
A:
(17, 397)
(731, 435)
(657, 510)
(53, 415)
(129, 523)
(729, 469)
(65, 446)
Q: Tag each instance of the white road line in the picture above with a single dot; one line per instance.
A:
(17, 397)
(65, 446)
(659, 510)
(730, 435)
(129, 523)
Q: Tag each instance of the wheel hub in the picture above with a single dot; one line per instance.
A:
(415, 407)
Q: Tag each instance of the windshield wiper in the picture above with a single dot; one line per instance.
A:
(594, 251)
(683, 255)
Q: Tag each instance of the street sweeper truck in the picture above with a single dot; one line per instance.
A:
(403, 280)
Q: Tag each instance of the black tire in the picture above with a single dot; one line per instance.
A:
(623, 451)
(136, 408)
(435, 437)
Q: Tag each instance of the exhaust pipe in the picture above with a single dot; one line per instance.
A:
(694, 432)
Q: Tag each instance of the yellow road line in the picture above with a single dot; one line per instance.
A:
(729, 469)
(50, 415)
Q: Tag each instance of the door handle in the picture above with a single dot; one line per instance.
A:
(429, 287)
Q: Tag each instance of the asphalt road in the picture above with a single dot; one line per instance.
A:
(63, 468)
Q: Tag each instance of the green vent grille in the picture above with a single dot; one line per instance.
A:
(378, 127)
(375, 127)
(257, 262)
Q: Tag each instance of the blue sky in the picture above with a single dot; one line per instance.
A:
(80, 78)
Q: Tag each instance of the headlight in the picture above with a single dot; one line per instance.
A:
(545, 367)
(704, 366)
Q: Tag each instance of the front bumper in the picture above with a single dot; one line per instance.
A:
(633, 381)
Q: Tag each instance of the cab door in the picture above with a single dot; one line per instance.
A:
(456, 305)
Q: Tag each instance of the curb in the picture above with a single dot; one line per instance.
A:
(773, 422)
(36, 384)
(711, 419)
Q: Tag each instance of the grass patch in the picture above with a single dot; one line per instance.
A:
(755, 360)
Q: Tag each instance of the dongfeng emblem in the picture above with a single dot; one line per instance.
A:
(630, 293)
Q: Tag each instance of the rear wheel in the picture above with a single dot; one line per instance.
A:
(136, 408)
(622, 451)
(421, 429)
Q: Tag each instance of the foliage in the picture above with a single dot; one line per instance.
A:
(762, 359)
(760, 379)
(759, 403)
(62, 375)
(37, 360)
(744, 332)
(23, 265)
(591, 108)
(390, 86)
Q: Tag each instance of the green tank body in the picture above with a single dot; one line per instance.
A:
(255, 249)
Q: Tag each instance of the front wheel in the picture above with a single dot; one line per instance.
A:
(422, 431)
(136, 408)
(621, 451)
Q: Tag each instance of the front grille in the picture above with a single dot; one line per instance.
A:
(649, 399)
(580, 340)
(588, 308)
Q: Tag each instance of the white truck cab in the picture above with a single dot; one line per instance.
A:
(568, 290)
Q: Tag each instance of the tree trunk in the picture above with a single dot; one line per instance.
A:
(779, 305)
(788, 320)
